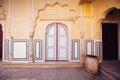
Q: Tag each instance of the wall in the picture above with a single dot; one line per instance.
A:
(28, 19)
(17, 18)
(101, 8)
(23, 15)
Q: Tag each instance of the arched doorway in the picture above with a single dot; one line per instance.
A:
(110, 35)
(1, 38)
(56, 42)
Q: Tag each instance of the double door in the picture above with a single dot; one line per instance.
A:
(56, 42)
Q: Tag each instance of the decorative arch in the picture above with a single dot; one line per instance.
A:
(52, 11)
(54, 17)
(53, 4)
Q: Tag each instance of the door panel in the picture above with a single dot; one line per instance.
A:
(110, 41)
(51, 43)
(62, 41)
(51, 54)
(62, 54)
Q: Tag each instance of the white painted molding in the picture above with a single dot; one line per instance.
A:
(38, 49)
(75, 49)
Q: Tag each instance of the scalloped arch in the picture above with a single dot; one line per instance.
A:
(53, 4)
(50, 5)
(53, 7)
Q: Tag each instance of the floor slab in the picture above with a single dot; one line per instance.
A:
(38, 73)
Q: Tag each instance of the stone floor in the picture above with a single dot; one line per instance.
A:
(111, 68)
(39, 73)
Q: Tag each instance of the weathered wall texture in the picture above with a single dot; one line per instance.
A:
(25, 18)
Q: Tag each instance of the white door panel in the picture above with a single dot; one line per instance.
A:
(51, 41)
(51, 54)
(62, 41)
(62, 54)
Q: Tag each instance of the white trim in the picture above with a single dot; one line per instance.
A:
(100, 41)
(89, 47)
(6, 49)
(38, 48)
(10, 49)
(98, 49)
(75, 55)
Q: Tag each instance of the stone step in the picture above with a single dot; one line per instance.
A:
(43, 64)
(110, 75)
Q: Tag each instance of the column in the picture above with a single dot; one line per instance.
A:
(31, 55)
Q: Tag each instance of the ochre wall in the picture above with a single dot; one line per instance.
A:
(22, 16)
(27, 16)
